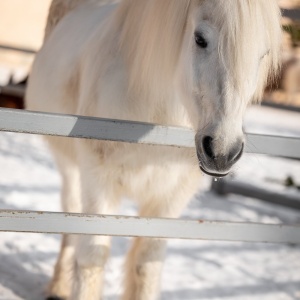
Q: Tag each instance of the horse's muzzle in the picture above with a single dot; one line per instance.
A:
(213, 164)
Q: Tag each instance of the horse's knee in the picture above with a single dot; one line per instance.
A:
(144, 271)
(148, 258)
(89, 269)
(148, 249)
(91, 252)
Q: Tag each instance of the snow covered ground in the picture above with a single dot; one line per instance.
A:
(194, 270)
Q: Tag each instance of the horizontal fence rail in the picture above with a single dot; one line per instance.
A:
(247, 189)
(50, 222)
(133, 132)
(144, 133)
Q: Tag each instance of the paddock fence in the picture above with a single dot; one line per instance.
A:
(73, 126)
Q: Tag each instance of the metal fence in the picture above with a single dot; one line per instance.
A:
(73, 126)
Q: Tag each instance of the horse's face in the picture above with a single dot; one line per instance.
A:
(227, 72)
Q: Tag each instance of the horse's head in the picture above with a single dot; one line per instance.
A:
(215, 56)
(235, 48)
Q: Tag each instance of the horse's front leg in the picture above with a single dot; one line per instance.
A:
(61, 283)
(143, 269)
(145, 259)
(91, 252)
(90, 258)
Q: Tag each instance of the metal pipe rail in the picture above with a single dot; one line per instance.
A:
(50, 222)
(246, 189)
(132, 132)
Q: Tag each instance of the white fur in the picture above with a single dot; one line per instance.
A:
(139, 61)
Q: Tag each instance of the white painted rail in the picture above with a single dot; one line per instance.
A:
(49, 222)
(94, 128)
(133, 132)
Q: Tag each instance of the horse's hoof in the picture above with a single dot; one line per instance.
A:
(54, 298)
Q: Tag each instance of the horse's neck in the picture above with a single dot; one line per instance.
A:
(110, 76)
(115, 101)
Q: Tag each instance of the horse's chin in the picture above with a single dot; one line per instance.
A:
(213, 174)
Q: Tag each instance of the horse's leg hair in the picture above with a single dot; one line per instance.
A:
(143, 269)
(145, 259)
(91, 254)
(60, 286)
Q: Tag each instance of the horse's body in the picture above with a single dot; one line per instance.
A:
(177, 62)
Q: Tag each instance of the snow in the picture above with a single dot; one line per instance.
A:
(194, 269)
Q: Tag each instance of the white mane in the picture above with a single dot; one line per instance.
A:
(152, 34)
(243, 25)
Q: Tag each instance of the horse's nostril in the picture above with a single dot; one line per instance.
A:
(207, 146)
(236, 154)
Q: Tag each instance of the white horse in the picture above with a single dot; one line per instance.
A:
(192, 63)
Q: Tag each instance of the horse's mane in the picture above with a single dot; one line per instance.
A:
(152, 33)
(244, 22)
(59, 8)
(151, 36)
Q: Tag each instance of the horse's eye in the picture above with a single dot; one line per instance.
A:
(200, 40)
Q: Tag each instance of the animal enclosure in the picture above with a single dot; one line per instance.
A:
(118, 67)
(134, 132)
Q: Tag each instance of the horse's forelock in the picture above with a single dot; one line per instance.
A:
(152, 32)
(245, 23)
